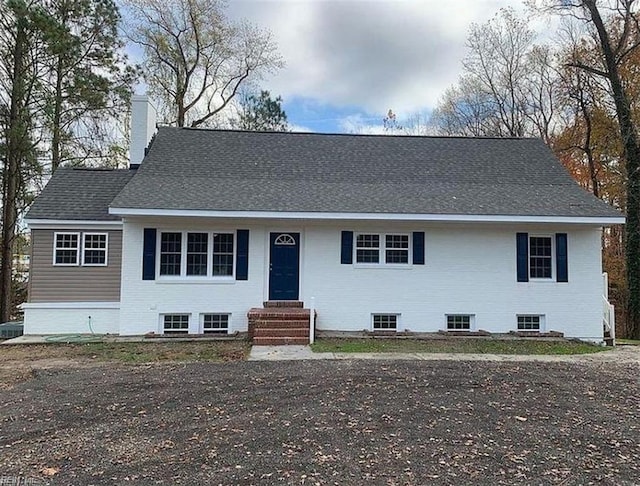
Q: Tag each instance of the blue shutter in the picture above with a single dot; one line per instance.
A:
(418, 247)
(149, 254)
(346, 254)
(562, 266)
(522, 249)
(242, 256)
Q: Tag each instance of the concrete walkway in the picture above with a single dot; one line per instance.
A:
(285, 353)
(622, 354)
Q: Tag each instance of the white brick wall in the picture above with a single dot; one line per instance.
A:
(143, 301)
(71, 318)
(470, 268)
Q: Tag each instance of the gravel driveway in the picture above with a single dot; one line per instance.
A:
(325, 422)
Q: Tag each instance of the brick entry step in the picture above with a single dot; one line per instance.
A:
(279, 322)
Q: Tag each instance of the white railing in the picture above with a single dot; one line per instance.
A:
(312, 320)
(609, 318)
(608, 310)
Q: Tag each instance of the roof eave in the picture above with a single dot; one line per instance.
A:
(484, 218)
(70, 223)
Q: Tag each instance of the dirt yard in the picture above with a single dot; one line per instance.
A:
(324, 422)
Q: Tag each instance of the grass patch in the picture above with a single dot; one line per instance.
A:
(144, 352)
(477, 346)
(632, 342)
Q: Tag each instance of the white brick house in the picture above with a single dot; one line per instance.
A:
(388, 233)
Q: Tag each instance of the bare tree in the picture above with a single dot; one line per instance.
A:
(507, 85)
(467, 110)
(540, 92)
(611, 28)
(195, 59)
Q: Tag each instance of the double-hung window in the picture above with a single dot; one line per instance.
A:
(196, 254)
(368, 249)
(222, 254)
(396, 248)
(75, 249)
(382, 248)
(170, 253)
(66, 249)
(540, 257)
(94, 249)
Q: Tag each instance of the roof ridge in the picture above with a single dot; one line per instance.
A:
(354, 135)
(92, 169)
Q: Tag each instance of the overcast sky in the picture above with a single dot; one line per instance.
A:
(349, 61)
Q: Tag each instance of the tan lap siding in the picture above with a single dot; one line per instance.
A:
(49, 283)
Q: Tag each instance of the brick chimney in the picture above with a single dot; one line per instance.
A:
(143, 127)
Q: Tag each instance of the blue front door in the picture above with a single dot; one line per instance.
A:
(284, 266)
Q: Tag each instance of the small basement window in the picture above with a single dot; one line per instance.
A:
(529, 323)
(458, 322)
(215, 323)
(176, 323)
(385, 322)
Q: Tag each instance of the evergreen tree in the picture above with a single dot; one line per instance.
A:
(89, 83)
(261, 113)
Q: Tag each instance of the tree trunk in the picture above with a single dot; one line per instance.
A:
(632, 156)
(593, 173)
(56, 129)
(16, 145)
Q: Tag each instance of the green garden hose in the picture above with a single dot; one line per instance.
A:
(76, 338)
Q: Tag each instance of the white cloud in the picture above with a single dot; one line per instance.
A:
(299, 128)
(360, 124)
(376, 55)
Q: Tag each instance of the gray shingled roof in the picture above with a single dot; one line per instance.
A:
(79, 194)
(248, 171)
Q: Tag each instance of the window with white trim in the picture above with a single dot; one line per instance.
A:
(223, 254)
(382, 248)
(175, 323)
(368, 248)
(170, 253)
(529, 322)
(385, 322)
(459, 322)
(215, 323)
(94, 249)
(66, 249)
(540, 257)
(396, 249)
(196, 254)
